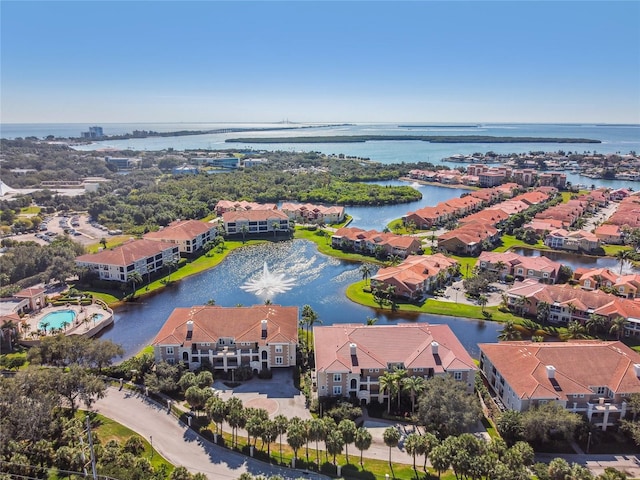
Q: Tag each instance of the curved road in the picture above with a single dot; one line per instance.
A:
(181, 445)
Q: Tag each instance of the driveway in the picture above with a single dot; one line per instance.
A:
(276, 395)
(179, 444)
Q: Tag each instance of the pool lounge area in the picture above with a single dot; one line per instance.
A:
(87, 320)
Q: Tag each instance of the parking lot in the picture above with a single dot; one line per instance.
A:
(77, 226)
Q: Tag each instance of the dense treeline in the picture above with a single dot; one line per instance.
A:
(27, 263)
(148, 197)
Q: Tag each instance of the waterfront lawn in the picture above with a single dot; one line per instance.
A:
(359, 293)
(191, 267)
(612, 250)
(509, 242)
(323, 242)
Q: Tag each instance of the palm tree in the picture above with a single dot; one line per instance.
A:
(244, 230)
(411, 445)
(171, 265)
(391, 437)
(499, 266)
(617, 326)
(371, 321)
(281, 423)
(134, 278)
(621, 256)
(268, 434)
(595, 323)
(276, 227)
(575, 330)
(387, 384)
(348, 429)
(362, 440)
(394, 260)
(542, 311)
(334, 443)
(295, 436)
(415, 386)
(309, 318)
(509, 332)
(365, 270)
(316, 433)
(8, 331)
(482, 301)
(399, 375)
(103, 242)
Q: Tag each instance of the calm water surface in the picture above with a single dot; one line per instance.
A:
(320, 281)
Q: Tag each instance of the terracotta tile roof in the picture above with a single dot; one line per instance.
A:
(580, 366)
(608, 229)
(376, 346)
(244, 324)
(127, 253)
(181, 230)
(29, 292)
(250, 215)
(243, 205)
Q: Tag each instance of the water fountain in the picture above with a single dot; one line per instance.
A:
(268, 284)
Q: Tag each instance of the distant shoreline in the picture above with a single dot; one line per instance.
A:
(422, 138)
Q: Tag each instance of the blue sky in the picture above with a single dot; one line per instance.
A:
(329, 61)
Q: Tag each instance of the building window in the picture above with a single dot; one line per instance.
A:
(278, 348)
(279, 361)
(169, 350)
(337, 377)
(601, 390)
(337, 390)
(457, 375)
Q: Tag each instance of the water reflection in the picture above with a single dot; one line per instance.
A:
(320, 282)
(578, 261)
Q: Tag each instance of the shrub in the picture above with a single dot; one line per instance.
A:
(265, 374)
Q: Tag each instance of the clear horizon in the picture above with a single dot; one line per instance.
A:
(146, 62)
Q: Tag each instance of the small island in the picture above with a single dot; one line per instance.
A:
(421, 138)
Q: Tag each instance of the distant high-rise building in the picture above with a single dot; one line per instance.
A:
(94, 132)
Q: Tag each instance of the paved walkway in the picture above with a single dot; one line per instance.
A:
(180, 445)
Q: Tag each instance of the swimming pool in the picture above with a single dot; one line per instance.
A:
(57, 319)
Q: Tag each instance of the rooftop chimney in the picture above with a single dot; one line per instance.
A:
(190, 326)
(636, 369)
(551, 371)
(434, 347)
(264, 328)
(353, 348)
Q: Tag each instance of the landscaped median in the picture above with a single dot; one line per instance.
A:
(358, 293)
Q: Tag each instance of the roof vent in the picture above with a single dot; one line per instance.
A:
(434, 347)
(551, 371)
(190, 326)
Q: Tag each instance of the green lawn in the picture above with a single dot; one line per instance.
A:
(31, 210)
(198, 265)
(356, 293)
(323, 242)
(108, 429)
(509, 242)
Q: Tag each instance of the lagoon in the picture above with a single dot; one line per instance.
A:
(319, 281)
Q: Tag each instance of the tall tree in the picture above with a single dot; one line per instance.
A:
(391, 437)
(415, 386)
(362, 440)
(365, 270)
(445, 407)
(348, 429)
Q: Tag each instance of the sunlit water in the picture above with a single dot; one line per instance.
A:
(320, 282)
(267, 285)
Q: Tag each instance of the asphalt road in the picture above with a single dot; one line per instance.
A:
(180, 445)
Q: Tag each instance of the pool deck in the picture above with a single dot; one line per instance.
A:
(82, 325)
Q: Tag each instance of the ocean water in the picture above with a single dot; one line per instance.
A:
(615, 139)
